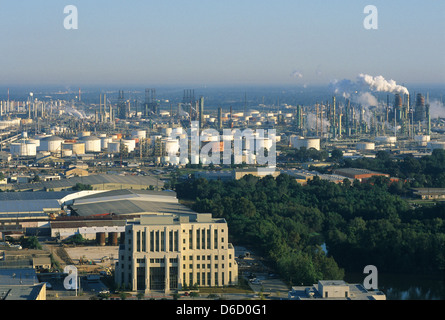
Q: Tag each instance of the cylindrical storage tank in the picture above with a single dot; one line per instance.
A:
(23, 149)
(51, 144)
(365, 146)
(113, 238)
(33, 141)
(386, 140)
(194, 159)
(174, 160)
(299, 142)
(67, 153)
(84, 134)
(79, 148)
(92, 144)
(140, 134)
(114, 147)
(422, 140)
(104, 141)
(130, 143)
(100, 238)
(171, 146)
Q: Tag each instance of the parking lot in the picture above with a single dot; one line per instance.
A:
(261, 279)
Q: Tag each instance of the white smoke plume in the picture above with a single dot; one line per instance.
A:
(366, 83)
(296, 74)
(380, 84)
(437, 109)
(365, 99)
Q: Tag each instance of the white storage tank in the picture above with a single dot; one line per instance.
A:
(365, 146)
(78, 148)
(51, 144)
(104, 141)
(387, 140)
(299, 142)
(422, 140)
(171, 146)
(34, 141)
(84, 134)
(139, 134)
(92, 143)
(67, 153)
(23, 149)
(130, 143)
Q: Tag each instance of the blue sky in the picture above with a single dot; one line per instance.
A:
(209, 42)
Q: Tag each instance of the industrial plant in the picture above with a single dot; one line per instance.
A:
(99, 165)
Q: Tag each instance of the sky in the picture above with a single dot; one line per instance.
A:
(209, 42)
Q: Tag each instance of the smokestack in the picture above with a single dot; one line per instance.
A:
(219, 118)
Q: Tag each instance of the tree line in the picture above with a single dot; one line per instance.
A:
(359, 224)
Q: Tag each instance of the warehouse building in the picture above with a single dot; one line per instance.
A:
(97, 182)
(359, 174)
(20, 284)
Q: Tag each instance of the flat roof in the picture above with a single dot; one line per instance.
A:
(87, 223)
(33, 206)
(18, 276)
(129, 207)
(36, 195)
(93, 180)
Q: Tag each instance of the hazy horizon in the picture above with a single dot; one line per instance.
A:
(231, 43)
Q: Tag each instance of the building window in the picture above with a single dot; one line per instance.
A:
(138, 241)
(162, 241)
(216, 239)
(144, 241)
(198, 239)
(208, 238)
(157, 241)
(170, 240)
(203, 237)
(176, 241)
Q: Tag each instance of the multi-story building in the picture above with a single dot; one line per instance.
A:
(166, 252)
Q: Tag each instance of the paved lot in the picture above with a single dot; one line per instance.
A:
(95, 254)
